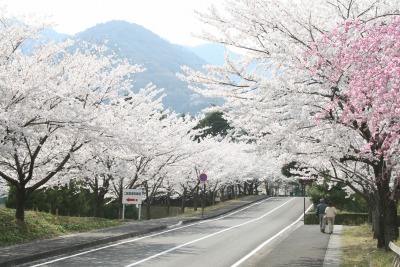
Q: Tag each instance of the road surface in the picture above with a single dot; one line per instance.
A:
(229, 240)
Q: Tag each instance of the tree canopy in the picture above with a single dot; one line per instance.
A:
(320, 78)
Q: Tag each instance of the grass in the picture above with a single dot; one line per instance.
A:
(359, 248)
(40, 225)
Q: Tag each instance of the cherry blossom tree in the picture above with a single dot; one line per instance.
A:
(150, 144)
(51, 105)
(171, 144)
(184, 183)
(227, 164)
(268, 91)
(114, 157)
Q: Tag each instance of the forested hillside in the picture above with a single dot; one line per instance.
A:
(161, 59)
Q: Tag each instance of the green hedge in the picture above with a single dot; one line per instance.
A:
(341, 218)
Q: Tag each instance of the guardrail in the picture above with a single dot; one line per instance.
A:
(395, 249)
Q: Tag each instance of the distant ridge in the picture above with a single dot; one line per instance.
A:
(211, 53)
(161, 59)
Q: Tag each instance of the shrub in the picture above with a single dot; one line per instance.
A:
(341, 218)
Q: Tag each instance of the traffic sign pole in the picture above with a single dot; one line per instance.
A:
(202, 206)
(131, 196)
(203, 179)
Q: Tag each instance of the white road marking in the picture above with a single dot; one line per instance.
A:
(167, 231)
(266, 242)
(147, 236)
(205, 237)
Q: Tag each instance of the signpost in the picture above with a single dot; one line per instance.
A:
(131, 196)
(203, 179)
(305, 182)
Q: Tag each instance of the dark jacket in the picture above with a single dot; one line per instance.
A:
(321, 208)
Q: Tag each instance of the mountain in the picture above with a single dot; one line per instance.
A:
(52, 35)
(212, 53)
(47, 35)
(161, 59)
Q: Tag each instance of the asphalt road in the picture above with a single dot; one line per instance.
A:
(223, 241)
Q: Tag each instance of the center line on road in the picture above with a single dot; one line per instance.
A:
(147, 236)
(269, 240)
(205, 237)
(160, 233)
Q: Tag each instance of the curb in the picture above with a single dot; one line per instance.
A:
(22, 259)
(64, 250)
(334, 251)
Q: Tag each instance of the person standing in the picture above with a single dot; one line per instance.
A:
(321, 213)
(330, 212)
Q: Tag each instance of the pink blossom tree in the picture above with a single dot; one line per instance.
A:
(360, 63)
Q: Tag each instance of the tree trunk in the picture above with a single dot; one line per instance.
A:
(98, 205)
(375, 221)
(148, 211)
(20, 205)
(96, 210)
(391, 228)
(256, 188)
(229, 192)
(196, 199)
(379, 233)
(99, 193)
(168, 203)
(183, 203)
(251, 188)
(222, 192)
(213, 194)
(386, 206)
(266, 187)
(148, 202)
(120, 209)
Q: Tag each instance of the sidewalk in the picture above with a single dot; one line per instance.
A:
(24, 253)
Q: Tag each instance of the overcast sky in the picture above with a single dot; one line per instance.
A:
(173, 20)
